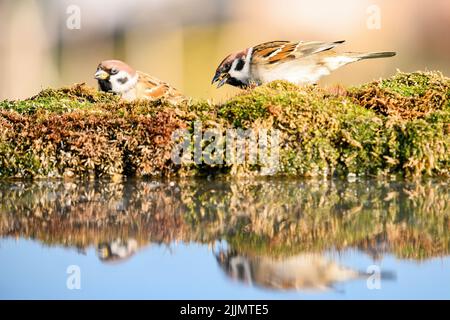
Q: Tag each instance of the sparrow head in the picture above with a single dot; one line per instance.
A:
(234, 70)
(117, 250)
(115, 76)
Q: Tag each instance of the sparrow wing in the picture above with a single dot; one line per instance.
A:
(152, 88)
(280, 51)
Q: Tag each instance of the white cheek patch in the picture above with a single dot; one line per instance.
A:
(244, 74)
(238, 74)
(122, 82)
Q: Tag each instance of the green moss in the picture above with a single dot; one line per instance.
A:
(255, 104)
(18, 163)
(406, 95)
(416, 84)
(396, 126)
(60, 100)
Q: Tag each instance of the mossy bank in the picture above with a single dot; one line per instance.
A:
(396, 126)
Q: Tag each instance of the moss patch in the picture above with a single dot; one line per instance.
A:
(396, 126)
(406, 95)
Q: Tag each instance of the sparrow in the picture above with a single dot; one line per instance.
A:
(118, 77)
(117, 250)
(298, 62)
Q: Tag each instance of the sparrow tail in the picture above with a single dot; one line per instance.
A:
(372, 55)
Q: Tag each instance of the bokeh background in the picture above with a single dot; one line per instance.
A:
(182, 41)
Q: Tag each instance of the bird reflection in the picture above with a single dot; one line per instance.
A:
(116, 251)
(305, 271)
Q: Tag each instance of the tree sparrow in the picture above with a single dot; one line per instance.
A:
(297, 62)
(118, 77)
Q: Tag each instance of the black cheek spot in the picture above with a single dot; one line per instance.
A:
(105, 85)
(240, 65)
(122, 80)
(236, 83)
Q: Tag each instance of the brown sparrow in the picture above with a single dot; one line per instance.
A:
(297, 62)
(118, 77)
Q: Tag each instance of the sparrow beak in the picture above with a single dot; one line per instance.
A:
(101, 75)
(103, 252)
(220, 78)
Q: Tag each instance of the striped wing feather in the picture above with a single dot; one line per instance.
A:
(279, 51)
(152, 88)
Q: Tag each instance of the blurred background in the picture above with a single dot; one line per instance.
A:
(59, 42)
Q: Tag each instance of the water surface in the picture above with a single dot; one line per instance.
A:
(244, 239)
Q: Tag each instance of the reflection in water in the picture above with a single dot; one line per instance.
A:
(276, 230)
(306, 271)
(117, 250)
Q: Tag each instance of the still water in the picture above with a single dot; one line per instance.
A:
(242, 239)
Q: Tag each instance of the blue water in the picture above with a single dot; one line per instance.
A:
(30, 270)
(268, 239)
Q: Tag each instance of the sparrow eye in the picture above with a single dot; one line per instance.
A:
(226, 68)
(114, 71)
